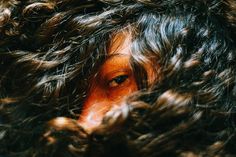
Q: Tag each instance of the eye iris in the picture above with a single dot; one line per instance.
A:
(118, 80)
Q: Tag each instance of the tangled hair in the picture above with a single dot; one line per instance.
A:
(49, 49)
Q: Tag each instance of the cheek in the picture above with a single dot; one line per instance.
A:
(100, 101)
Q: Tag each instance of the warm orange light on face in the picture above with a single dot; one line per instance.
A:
(114, 82)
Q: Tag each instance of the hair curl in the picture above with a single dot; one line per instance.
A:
(50, 48)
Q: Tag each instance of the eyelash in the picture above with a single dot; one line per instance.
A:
(118, 80)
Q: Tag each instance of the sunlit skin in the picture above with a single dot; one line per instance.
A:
(112, 84)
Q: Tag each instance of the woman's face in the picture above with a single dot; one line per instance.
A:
(111, 85)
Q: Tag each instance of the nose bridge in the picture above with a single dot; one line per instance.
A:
(94, 108)
(95, 96)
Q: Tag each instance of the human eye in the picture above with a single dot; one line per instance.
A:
(118, 80)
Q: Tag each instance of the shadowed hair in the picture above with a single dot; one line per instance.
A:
(49, 49)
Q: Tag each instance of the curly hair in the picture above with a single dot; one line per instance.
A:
(49, 50)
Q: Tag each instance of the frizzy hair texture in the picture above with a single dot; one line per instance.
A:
(49, 49)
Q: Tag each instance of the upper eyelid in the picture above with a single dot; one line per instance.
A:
(104, 80)
(101, 76)
(115, 74)
(113, 78)
(118, 60)
(118, 84)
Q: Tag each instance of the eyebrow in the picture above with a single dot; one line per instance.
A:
(111, 56)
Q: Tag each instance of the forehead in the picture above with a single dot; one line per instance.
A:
(119, 52)
(120, 44)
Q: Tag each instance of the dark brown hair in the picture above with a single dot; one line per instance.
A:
(50, 48)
